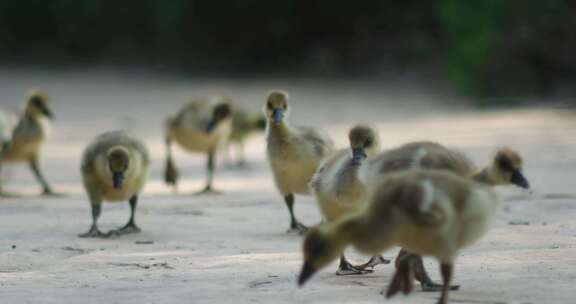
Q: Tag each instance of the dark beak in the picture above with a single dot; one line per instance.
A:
(277, 116)
(211, 126)
(117, 180)
(519, 180)
(47, 113)
(358, 155)
(307, 272)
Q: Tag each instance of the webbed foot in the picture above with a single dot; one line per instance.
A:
(128, 229)
(94, 232)
(348, 269)
(208, 190)
(299, 228)
(435, 287)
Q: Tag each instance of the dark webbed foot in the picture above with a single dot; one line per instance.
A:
(208, 190)
(435, 287)
(128, 229)
(346, 268)
(94, 232)
(50, 193)
(373, 262)
(299, 228)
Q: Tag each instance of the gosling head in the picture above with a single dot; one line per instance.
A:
(277, 106)
(320, 249)
(221, 112)
(363, 142)
(37, 105)
(507, 168)
(118, 162)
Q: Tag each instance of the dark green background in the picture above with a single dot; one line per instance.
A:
(481, 48)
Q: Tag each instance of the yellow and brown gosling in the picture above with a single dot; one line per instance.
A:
(114, 169)
(201, 126)
(338, 190)
(294, 153)
(429, 212)
(27, 138)
(244, 125)
(505, 168)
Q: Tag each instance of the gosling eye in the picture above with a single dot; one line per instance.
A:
(368, 143)
(284, 107)
(269, 106)
(505, 164)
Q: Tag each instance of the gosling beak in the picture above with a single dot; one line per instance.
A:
(307, 272)
(117, 180)
(277, 116)
(47, 113)
(358, 155)
(211, 126)
(519, 180)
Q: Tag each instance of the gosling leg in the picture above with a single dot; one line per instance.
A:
(447, 270)
(295, 225)
(130, 227)
(210, 174)
(46, 190)
(170, 173)
(94, 232)
(403, 279)
(420, 273)
(345, 268)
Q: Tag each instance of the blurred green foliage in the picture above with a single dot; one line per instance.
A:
(484, 48)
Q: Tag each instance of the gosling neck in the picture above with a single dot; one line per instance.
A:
(281, 128)
(485, 176)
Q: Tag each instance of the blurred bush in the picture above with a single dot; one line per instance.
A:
(483, 48)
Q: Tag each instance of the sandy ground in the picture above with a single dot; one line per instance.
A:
(233, 247)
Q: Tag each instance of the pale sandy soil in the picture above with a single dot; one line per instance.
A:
(232, 248)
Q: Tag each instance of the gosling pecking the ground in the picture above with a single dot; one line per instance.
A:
(244, 125)
(505, 168)
(114, 169)
(27, 138)
(201, 126)
(339, 191)
(294, 153)
(429, 212)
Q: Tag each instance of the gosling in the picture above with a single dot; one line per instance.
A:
(244, 125)
(428, 212)
(339, 191)
(200, 126)
(505, 168)
(114, 168)
(293, 153)
(27, 139)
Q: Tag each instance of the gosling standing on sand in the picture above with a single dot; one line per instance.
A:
(339, 191)
(28, 137)
(200, 126)
(114, 169)
(294, 153)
